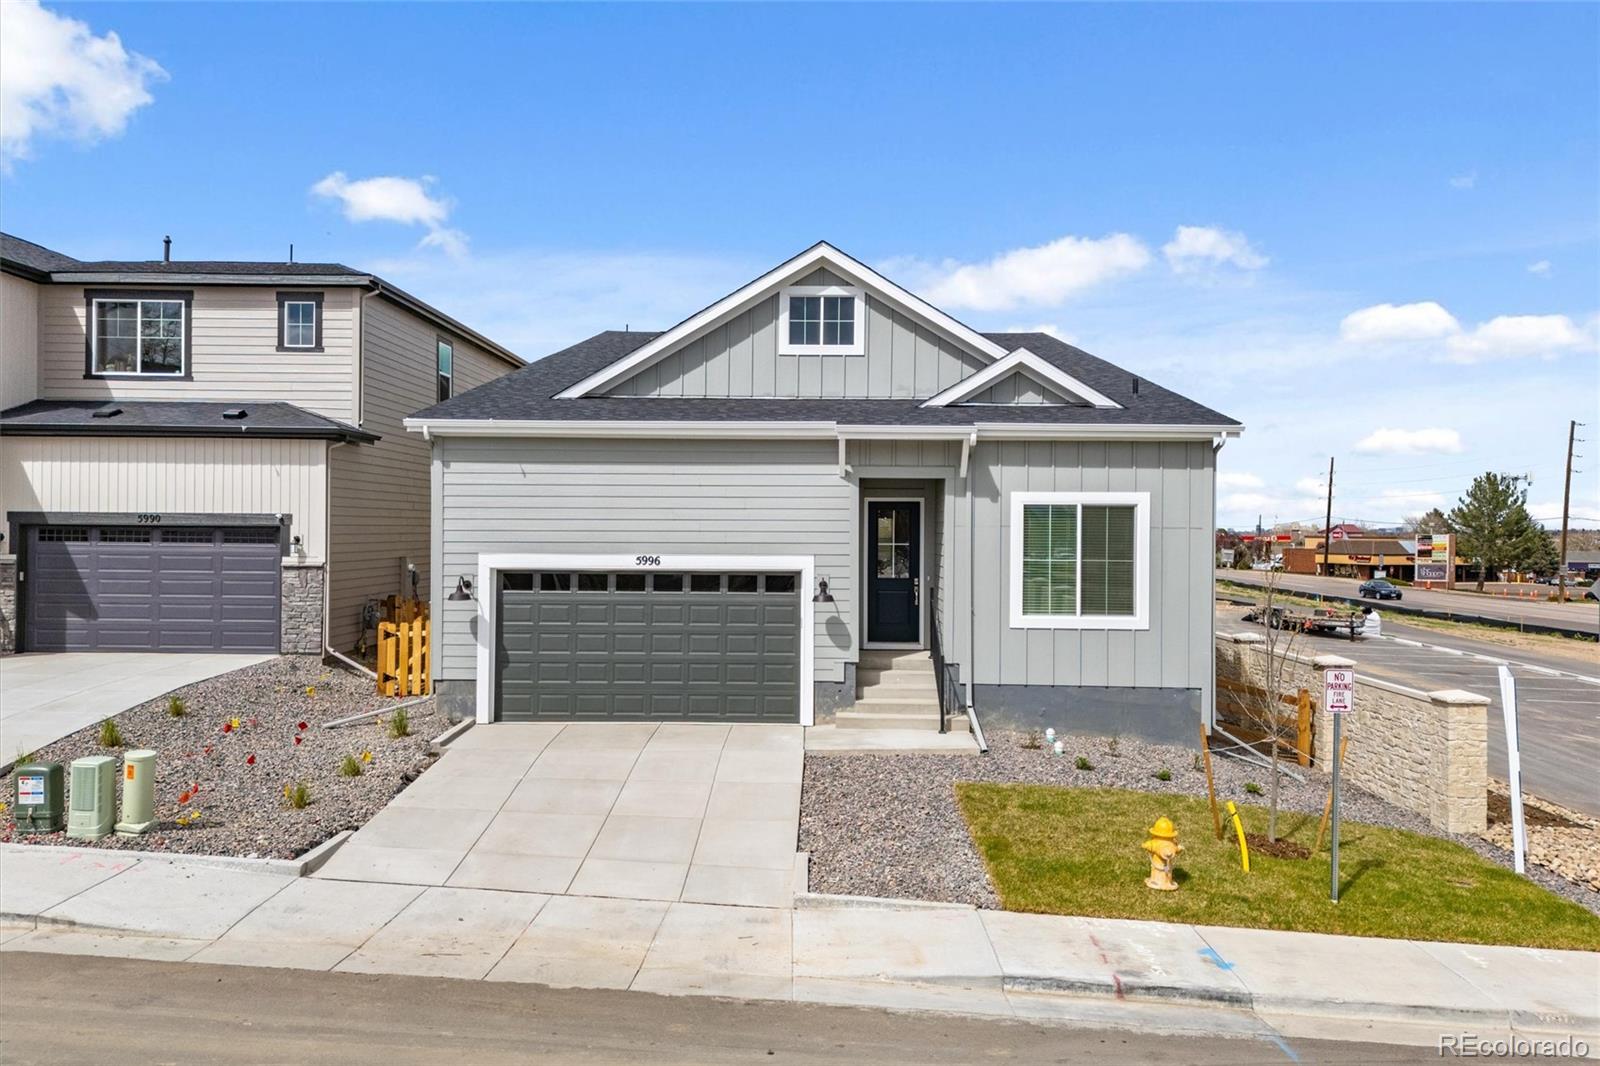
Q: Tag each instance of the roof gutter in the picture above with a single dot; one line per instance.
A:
(496, 427)
(111, 277)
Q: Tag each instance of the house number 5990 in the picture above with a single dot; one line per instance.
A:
(647, 560)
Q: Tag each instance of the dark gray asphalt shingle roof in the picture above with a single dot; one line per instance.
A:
(529, 394)
(39, 258)
(34, 258)
(175, 418)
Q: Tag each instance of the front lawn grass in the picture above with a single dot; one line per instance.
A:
(1054, 850)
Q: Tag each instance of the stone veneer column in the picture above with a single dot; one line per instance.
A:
(8, 604)
(1461, 761)
(300, 624)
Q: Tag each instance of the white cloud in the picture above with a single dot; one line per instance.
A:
(1385, 323)
(58, 79)
(1246, 501)
(1464, 181)
(1517, 336)
(1238, 480)
(1311, 486)
(393, 199)
(1195, 248)
(1411, 441)
(1541, 268)
(1043, 276)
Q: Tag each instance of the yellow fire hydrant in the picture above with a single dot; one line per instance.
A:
(1163, 847)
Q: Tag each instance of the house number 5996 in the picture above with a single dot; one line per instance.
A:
(647, 560)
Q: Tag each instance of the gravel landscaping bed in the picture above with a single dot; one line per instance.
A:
(888, 824)
(239, 807)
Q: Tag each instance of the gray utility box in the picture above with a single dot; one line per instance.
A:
(37, 798)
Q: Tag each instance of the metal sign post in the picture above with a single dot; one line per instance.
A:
(1339, 697)
(1508, 707)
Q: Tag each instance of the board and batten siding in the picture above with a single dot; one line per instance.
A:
(739, 357)
(170, 475)
(19, 341)
(234, 356)
(1019, 390)
(379, 492)
(627, 497)
(1175, 652)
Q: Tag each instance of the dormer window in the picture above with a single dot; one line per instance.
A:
(299, 321)
(821, 320)
(143, 334)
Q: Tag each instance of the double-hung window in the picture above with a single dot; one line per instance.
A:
(299, 321)
(821, 320)
(1080, 560)
(447, 354)
(138, 333)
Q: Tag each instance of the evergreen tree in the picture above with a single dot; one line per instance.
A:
(1492, 524)
(1543, 557)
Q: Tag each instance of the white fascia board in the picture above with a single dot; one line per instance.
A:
(1019, 360)
(166, 280)
(818, 254)
(495, 427)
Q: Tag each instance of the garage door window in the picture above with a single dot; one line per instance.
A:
(555, 582)
(594, 582)
(667, 582)
(187, 536)
(260, 535)
(124, 536)
(705, 583)
(64, 535)
(742, 582)
(780, 582)
(630, 582)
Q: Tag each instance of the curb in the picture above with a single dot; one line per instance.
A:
(820, 900)
(298, 867)
(1117, 988)
(437, 745)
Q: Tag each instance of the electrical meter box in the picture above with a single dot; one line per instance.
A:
(92, 808)
(37, 798)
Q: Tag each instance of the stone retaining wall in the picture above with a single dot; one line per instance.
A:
(1427, 752)
(8, 604)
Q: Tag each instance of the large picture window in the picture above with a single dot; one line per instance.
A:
(138, 335)
(1080, 560)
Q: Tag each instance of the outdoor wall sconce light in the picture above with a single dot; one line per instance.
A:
(463, 590)
(823, 595)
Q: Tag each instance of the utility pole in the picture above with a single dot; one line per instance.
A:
(1327, 525)
(1566, 509)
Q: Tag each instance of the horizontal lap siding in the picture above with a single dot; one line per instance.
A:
(739, 357)
(380, 491)
(1175, 651)
(170, 475)
(19, 341)
(644, 497)
(234, 356)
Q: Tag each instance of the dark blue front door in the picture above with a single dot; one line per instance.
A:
(894, 572)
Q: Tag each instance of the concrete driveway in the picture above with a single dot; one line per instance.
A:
(640, 810)
(45, 696)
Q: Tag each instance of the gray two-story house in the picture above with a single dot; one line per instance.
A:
(209, 456)
(823, 498)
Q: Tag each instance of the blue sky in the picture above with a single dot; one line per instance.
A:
(1391, 243)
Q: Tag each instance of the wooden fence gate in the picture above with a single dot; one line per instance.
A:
(404, 649)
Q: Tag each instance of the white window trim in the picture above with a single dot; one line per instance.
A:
(857, 346)
(314, 323)
(438, 369)
(489, 566)
(138, 348)
(1140, 619)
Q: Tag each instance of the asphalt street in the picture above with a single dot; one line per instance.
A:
(83, 1009)
(1558, 697)
(1581, 616)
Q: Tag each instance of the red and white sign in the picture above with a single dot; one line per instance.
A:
(1339, 690)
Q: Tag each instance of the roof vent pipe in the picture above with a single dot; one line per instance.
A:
(1136, 386)
(166, 248)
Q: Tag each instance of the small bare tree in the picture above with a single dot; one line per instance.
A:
(1262, 705)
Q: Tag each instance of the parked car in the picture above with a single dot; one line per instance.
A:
(1379, 589)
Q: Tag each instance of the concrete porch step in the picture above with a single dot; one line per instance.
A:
(856, 718)
(925, 692)
(919, 659)
(895, 678)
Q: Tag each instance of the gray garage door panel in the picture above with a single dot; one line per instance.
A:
(605, 654)
(180, 588)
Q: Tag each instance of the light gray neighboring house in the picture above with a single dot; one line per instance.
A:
(209, 456)
(804, 493)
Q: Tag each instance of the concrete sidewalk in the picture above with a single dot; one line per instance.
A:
(948, 959)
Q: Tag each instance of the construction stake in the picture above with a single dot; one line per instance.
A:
(1211, 787)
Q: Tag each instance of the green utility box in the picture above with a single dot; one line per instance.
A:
(138, 792)
(93, 797)
(37, 798)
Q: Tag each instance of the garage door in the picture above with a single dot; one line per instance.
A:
(657, 646)
(142, 588)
